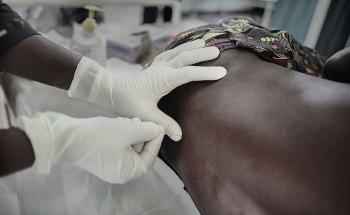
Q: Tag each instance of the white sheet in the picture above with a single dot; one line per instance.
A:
(70, 190)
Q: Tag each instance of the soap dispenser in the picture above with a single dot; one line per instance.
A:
(86, 41)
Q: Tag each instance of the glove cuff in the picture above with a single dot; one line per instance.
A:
(84, 78)
(40, 137)
(91, 82)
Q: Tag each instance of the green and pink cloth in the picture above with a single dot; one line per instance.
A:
(271, 45)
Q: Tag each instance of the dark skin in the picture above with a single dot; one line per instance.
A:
(337, 67)
(38, 59)
(263, 140)
(16, 152)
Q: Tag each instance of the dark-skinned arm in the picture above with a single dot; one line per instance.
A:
(39, 59)
(26, 53)
(16, 152)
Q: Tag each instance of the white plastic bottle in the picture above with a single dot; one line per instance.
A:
(86, 41)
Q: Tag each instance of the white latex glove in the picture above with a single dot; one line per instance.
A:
(99, 145)
(137, 94)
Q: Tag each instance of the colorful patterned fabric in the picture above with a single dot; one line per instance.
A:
(274, 46)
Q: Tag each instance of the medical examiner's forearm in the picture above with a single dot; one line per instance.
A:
(39, 59)
(16, 152)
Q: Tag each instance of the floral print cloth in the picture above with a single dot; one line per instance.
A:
(274, 46)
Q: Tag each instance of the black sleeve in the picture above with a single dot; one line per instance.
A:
(13, 29)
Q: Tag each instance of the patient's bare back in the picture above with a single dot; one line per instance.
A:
(263, 140)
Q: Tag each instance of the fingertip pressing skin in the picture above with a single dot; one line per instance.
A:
(196, 44)
(214, 51)
(221, 72)
(216, 73)
(199, 43)
(212, 73)
(176, 133)
(170, 54)
(190, 57)
(176, 138)
(205, 53)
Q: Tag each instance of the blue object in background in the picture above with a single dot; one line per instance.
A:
(293, 16)
(336, 28)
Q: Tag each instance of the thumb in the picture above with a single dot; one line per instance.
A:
(144, 131)
(172, 128)
(151, 150)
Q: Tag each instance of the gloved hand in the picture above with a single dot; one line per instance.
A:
(137, 94)
(99, 145)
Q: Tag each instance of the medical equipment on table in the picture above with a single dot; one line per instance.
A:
(121, 29)
(174, 4)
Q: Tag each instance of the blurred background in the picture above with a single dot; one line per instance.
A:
(124, 35)
(130, 28)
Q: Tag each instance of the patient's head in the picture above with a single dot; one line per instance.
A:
(271, 45)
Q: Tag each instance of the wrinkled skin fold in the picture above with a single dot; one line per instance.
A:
(263, 140)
